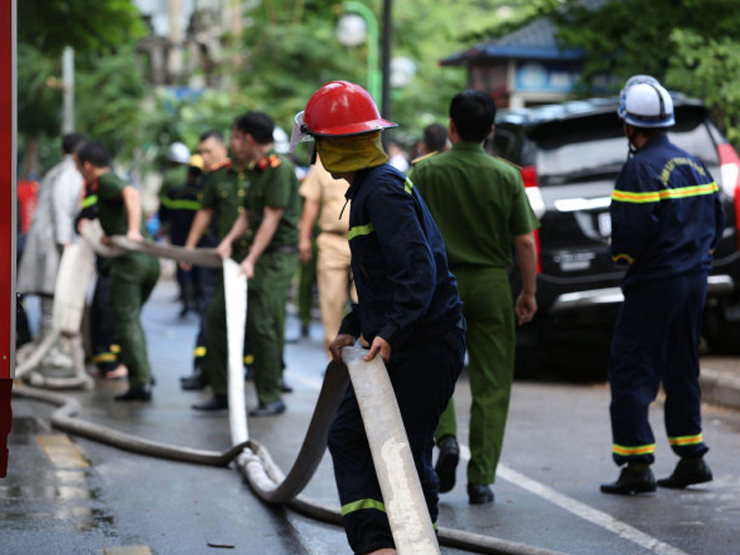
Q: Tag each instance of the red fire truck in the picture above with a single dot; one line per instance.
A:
(7, 219)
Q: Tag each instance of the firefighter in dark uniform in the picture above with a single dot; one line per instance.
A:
(271, 211)
(222, 197)
(105, 349)
(409, 308)
(177, 210)
(133, 275)
(481, 208)
(667, 219)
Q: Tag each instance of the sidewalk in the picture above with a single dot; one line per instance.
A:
(720, 381)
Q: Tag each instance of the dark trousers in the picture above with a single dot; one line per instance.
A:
(102, 326)
(206, 282)
(423, 378)
(656, 338)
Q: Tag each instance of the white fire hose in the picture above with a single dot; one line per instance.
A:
(409, 518)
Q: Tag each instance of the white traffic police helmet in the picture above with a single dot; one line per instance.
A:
(644, 102)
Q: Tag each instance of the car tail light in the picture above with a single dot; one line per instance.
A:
(730, 174)
(537, 202)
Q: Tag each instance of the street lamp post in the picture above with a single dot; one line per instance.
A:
(349, 34)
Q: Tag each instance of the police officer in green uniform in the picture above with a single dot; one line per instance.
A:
(222, 197)
(133, 275)
(480, 206)
(271, 212)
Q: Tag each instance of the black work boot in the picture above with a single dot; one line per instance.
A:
(478, 494)
(634, 478)
(449, 456)
(270, 409)
(686, 473)
(218, 402)
(136, 393)
(193, 383)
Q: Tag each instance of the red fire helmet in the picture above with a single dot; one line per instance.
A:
(341, 108)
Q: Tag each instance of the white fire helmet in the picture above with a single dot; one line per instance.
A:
(178, 153)
(644, 102)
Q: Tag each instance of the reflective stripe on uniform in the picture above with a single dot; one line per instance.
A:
(104, 357)
(638, 450)
(361, 504)
(664, 194)
(685, 440)
(359, 230)
(408, 186)
(89, 201)
(623, 256)
(172, 204)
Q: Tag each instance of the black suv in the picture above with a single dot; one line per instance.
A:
(570, 155)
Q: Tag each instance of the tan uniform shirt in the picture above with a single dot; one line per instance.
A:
(321, 186)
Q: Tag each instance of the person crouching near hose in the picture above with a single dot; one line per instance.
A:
(408, 309)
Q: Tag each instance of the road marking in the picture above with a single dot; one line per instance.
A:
(61, 451)
(308, 381)
(128, 550)
(594, 516)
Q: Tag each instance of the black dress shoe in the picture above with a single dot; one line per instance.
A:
(136, 393)
(686, 473)
(270, 409)
(631, 481)
(218, 402)
(193, 383)
(478, 494)
(449, 456)
(285, 387)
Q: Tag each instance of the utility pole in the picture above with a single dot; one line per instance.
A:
(386, 57)
(175, 42)
(68, 88)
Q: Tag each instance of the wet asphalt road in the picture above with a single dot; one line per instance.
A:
(85, 497)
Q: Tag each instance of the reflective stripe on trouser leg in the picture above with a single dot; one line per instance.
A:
(651, 324)
(437, 364)
(681, 377)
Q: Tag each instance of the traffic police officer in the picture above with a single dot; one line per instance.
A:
(666, 220)
(409, 309)
(324, 202)
(271, 210)
(133, 275)
(222, 196)
(480, 205)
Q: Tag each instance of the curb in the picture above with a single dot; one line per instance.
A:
(720, 388)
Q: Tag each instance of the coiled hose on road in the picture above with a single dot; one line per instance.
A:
(268, 481)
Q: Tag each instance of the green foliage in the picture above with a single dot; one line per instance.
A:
(39, 93)
(87, 26)
(692, 45)
(709, 69)
(110, 90)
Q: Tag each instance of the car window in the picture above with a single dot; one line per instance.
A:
(579, 149)
(594, 147)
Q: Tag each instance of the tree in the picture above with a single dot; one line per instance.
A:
(97, 34)
(684, 44)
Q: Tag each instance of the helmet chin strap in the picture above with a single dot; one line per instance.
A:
(632, 147)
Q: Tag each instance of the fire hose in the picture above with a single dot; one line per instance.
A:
(407, 513)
